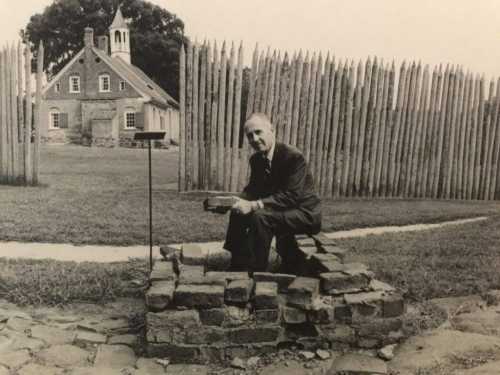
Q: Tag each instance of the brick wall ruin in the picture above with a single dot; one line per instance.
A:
(199, 313)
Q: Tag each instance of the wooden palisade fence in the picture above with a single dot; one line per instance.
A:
(19, 116)
(367, 129)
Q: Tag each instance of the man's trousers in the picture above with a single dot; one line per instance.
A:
(249, 237)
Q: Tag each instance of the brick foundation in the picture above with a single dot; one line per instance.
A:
(200, 315)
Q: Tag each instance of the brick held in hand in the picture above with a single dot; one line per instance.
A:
(219, 204)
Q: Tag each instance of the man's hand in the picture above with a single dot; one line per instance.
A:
(243, 207)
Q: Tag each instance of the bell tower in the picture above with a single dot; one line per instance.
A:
(119, 36)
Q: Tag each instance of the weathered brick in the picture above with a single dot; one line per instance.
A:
(303, 291)
(222, 278)
(321, 313)
(170, 326)
(206, 335)
(258, 334)
(377, 328)
(293, 315)
(199, 296)
(162, 271)
(377, 285)
(238, 291)
(307, 251)
(294, 332)
(176, 353)
(192, 275)
(342, 333)
(322, 239)
(267, 316)
(266, 295)
(363, 305)
(237, 316)
(341, 282)
(218, 259)
(160, 295)
(213, 317)
(282, 279)
(342, 313)
(192, 254)
(219, 204)
(393, 305)
(339, 252)
(360, 298)
(317, 262)
(213, 353)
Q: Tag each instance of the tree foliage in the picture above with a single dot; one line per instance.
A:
(156, 35)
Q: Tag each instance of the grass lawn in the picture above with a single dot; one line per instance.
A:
(99, 196)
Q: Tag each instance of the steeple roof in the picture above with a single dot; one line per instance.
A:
(118, 21)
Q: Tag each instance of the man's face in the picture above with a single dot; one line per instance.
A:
(260, 134)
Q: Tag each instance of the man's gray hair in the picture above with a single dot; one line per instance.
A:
(261, 116)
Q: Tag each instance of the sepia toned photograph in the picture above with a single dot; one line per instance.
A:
(236, 187)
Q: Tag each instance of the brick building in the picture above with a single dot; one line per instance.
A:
(101, 98)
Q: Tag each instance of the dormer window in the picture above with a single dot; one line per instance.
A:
(122, 85)
(104, 83)
(74, 84)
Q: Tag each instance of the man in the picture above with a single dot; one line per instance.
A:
(278, 200)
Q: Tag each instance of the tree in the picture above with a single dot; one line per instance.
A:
(156, 35)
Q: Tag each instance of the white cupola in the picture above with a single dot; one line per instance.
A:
(119, 36)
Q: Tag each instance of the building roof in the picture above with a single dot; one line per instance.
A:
(138, 79)
(118, 21)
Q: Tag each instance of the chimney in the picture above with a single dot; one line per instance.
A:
(102, 44)
(88, 39)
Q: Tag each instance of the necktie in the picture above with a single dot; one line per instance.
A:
(267, 167)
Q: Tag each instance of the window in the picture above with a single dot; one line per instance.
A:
(57, 87)
(122, 85)
(54, 120)
(74, 84)
(129, 120)
(118, 38)
(104, 83)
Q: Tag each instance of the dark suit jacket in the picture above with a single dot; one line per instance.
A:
(290, 184)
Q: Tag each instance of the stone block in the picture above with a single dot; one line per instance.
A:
(176, 353)
(266, 295)
(192, 274)
(160, 295)
(206, 335)
(321, 313)
(282, 279)
(321, 239)
(192, 255)
(162, 271)
(365, 305)
(339, 252)
(222, 278)
(307, 251)
(358, 364)
(341, 282)
(377, 328)
(237, 316)
(393, 306)
(170, 326)
(114, 356)
(257, 334)
(293, 315)
(338, 333)
(238, 291)
(213, 317)
(199, 296)
(302, 292)
(218, 259)
(342, 313)
(379, 286)
(267, 316)
(84, 338)
(306, 241)
(317, 262)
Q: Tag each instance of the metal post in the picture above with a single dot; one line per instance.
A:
(150, 210)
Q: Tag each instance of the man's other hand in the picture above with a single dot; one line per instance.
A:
(242, 206)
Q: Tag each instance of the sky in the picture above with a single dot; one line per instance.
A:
(462, 32)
